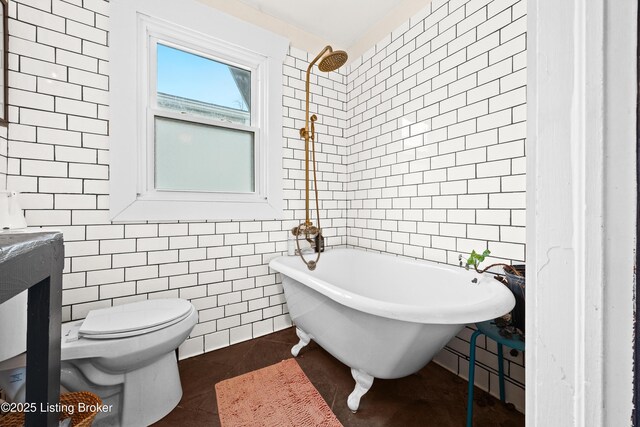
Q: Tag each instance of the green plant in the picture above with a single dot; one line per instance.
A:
(475, 259)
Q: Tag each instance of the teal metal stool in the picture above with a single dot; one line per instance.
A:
(489, 329)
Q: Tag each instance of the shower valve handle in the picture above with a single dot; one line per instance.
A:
(305, 229)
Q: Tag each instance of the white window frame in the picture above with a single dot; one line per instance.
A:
(155, 32)
(201, 30)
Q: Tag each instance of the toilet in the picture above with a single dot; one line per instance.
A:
(126, 355)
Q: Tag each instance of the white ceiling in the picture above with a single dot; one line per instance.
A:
(351, 25)
(340, 22)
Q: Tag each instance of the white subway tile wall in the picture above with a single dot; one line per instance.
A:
(436, 132)
(57, 156)
(421, 154)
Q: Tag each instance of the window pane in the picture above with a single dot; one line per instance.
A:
(196, 157)
(197, 85)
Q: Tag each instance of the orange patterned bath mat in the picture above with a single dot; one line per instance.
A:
(278, 395)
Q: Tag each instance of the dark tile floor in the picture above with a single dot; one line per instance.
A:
(431, 397)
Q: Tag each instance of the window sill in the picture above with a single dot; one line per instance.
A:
(197, 210)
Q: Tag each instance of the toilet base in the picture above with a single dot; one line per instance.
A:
(139, 397)
(150, 393)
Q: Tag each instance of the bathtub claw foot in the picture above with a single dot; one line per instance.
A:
(304, 340)
(363, 384)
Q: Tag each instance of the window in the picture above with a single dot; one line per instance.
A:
(203, 138)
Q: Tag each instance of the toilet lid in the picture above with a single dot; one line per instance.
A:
(127, 319)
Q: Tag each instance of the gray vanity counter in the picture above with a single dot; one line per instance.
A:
(34, 261)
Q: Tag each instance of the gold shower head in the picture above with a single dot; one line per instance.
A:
(333, 60)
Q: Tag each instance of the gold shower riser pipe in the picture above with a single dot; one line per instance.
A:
(329, 62)
(306, 134)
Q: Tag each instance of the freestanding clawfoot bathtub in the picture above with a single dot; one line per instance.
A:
(384, 316)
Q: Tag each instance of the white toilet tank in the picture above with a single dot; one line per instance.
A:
(13, 339)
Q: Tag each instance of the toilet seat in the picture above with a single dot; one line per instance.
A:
(134, 319)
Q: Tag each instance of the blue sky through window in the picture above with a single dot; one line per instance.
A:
(191, 76)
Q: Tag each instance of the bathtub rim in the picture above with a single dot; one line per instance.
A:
(470, 313)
